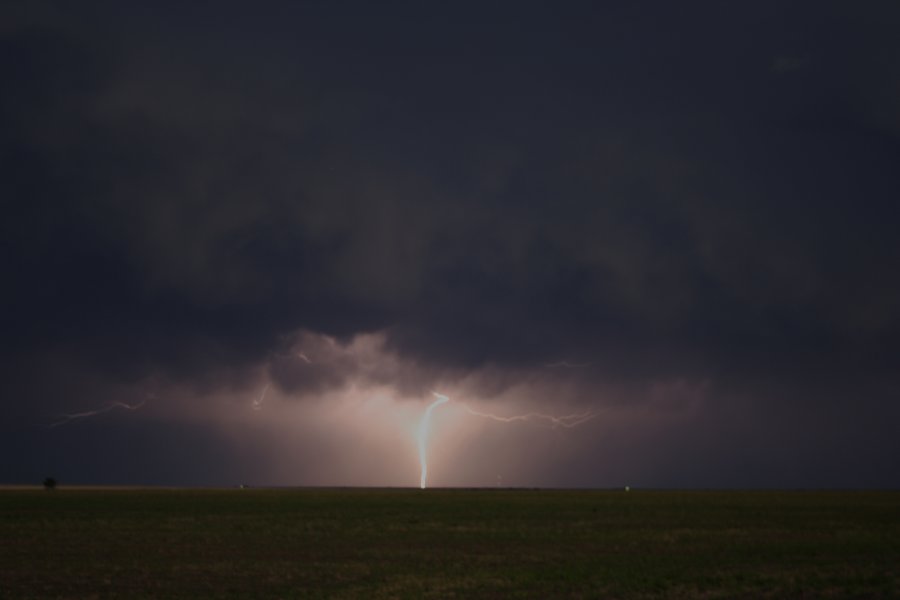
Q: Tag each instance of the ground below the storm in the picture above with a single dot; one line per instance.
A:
(446, 543)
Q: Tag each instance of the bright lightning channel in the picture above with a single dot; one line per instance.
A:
(567, 421)
(422, 436)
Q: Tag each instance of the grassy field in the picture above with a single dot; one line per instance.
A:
(93, 543)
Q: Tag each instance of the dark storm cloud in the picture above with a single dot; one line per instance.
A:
(661, 191)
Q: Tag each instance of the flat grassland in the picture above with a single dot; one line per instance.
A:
(372, 543)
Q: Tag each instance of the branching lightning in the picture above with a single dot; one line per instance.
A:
(67, 418)
(422, 436)
(567, 421)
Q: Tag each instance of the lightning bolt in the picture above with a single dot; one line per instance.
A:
(257, 402)
(422, 435)
(567, 421)
(67, 418)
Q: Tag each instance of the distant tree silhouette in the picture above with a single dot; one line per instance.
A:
(49, 484)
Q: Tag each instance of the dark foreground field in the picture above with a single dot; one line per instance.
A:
(73, 543)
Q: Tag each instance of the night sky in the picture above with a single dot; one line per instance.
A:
(254, 238)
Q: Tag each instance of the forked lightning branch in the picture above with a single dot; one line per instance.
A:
(424, 429)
